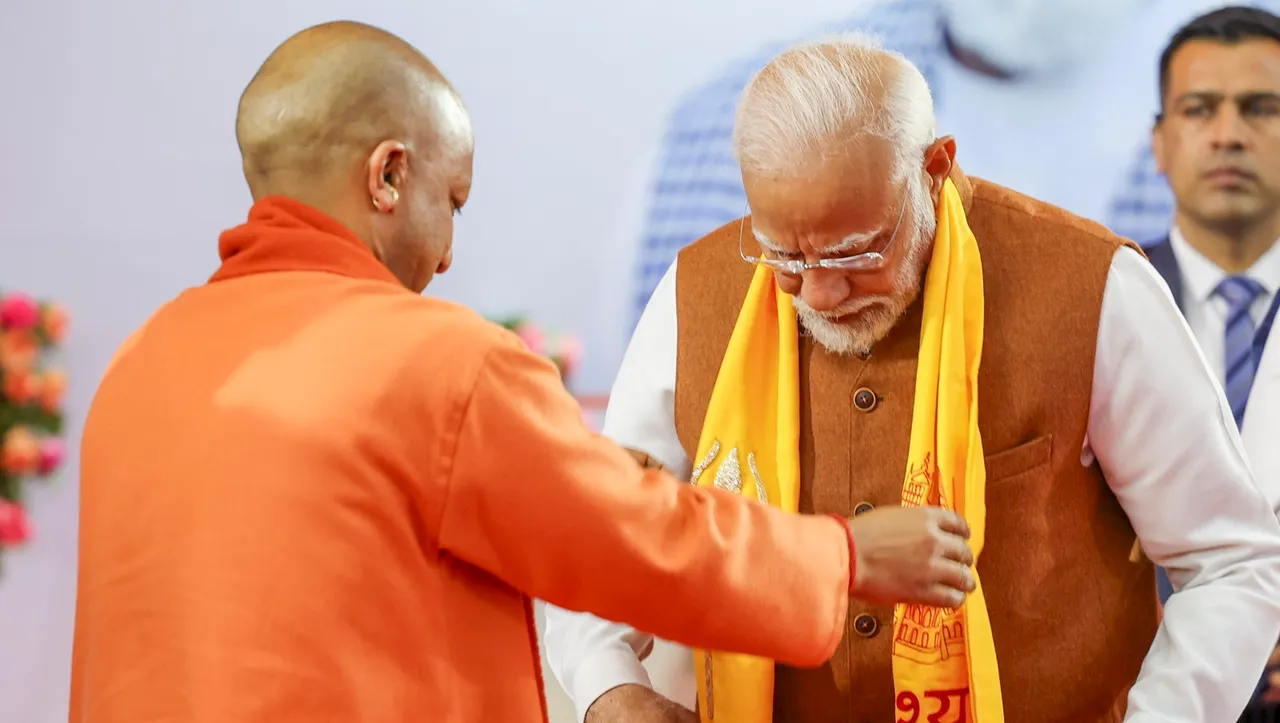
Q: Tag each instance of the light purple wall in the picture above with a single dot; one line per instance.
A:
(118, 167)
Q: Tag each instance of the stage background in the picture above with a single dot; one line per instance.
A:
(119, 168)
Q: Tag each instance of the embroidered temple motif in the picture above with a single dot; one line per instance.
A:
(921, 486)
(928, 634)
(729, 473)
(761, 494)
(728, 477)
(705, 462)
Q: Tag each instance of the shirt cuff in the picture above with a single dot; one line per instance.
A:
(601, 673)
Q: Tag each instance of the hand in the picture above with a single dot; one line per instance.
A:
(912, 555)
(1271, 694)
(637, 704)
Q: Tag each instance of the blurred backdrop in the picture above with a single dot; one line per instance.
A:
(118, 168)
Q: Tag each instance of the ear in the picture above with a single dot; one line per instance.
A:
(939, 157)
(446, 261)
(1157, 147)
(387, 169)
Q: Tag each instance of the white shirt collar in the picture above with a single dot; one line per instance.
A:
(1200, 276)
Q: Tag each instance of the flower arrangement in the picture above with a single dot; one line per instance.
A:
(564, 350)
(30, 405)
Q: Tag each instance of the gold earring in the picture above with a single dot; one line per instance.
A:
(395, 196)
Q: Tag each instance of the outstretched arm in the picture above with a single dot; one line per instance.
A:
(562, 514)
(588, 655)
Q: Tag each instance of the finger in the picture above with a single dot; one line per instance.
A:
(944, 596)
(954, 575)
(949, 521)
(955, 548)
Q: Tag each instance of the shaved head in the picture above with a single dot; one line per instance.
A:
(357, 123)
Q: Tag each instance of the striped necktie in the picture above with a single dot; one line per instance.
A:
(1239, 293)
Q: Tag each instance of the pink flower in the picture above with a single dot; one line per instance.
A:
(532, 337)
(15, 526)
(19, 311)
(52, 451)
(569, 354)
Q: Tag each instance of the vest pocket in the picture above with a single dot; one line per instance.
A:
(1024, 457)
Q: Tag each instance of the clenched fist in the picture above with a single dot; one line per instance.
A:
(912, 555)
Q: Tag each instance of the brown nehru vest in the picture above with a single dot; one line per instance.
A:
(1072, 615)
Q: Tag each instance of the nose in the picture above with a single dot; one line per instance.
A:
(824, 290)
(1227, 130)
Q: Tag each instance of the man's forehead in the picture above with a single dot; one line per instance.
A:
(841, 198)
(834, 247)
(845, 226)
(1210, 66)
(820, 199)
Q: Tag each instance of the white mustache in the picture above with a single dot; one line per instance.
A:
(849, 307)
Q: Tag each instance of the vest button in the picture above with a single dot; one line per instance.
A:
(863, 508)
(866, 626)
(865, 400)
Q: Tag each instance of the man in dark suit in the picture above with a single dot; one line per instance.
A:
(1217, 139)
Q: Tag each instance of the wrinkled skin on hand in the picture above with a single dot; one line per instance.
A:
(1272, 693)
(637, 704)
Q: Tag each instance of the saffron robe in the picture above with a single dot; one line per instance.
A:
(309, 494)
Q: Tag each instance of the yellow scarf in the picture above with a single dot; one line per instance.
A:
(944, 662)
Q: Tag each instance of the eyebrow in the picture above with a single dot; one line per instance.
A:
(1248, 95)
(851, 241)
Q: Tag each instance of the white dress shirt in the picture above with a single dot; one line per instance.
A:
(1206, 312)
(1160, 428)
(1262, 420)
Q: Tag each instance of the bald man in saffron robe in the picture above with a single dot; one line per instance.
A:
(311, 494)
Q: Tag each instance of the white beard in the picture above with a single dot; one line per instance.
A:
(877, 315)
(1036, 36)
(874, 322)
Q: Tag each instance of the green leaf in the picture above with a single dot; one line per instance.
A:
(10, 488)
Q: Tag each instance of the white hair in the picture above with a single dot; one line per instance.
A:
(835, 89)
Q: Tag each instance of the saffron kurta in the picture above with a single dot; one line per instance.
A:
(309, 494)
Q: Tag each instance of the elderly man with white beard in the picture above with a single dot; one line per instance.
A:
(882, 330)
(1008, 76)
